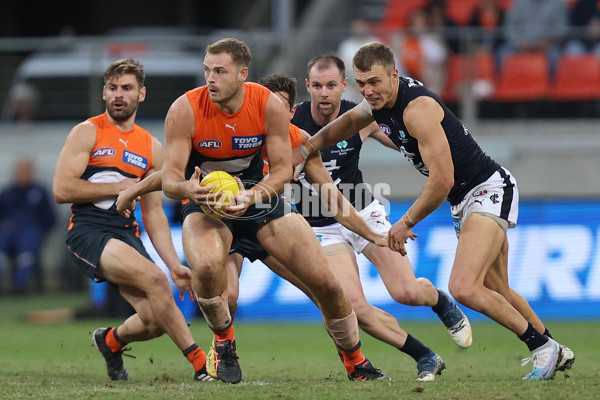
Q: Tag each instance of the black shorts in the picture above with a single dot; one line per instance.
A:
(86, 244)
(245, 228)
(248, 249)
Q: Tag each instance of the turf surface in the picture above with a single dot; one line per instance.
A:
(287, 361)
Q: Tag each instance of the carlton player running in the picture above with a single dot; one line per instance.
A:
(482, 194)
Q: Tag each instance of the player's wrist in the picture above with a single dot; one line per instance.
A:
(304, 151)
(408, 221)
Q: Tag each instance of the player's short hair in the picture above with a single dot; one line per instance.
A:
(238, 50)
(325, 61)
(281, 83)
(374, 53)
(125, 66)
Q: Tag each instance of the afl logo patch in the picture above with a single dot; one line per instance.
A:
(209, 144)
(386, 129)
(103, 152)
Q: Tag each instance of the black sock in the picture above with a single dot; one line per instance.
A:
(414, 348)
(442, 303)
(190, 349)
(547, 333)
(532, 338)
(118, 338)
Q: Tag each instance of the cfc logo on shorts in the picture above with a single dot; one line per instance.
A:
(246, 142)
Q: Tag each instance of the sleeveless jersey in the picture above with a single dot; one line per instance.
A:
(341, 161)
(116, 155)
(471, 165)
(295, 140)
(229, 142)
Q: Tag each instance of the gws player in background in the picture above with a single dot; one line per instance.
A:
(101, 157)
(224, 126)
(482, 194)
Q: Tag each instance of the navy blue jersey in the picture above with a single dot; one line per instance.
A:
(471, 165)
(341, 161)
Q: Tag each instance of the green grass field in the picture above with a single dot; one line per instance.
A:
(286, 361)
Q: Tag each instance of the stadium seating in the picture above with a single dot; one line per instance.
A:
(577, 79)
(523, 77)
(397, 13)
(461, 67)
(460, 11)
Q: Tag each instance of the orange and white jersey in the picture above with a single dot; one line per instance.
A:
(229, 142)
(295, 140)
(116, 155)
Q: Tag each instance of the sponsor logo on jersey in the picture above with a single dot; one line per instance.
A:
(103, 152)
(386, 129)
(402, 134)
(246, 142)
(135, 160)
(480, 193)
(210, 144)
(342, 145)
(232, 127)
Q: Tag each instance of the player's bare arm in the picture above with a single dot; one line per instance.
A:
(423, 117)
(157, 224)
(344, 212)
(68, 187)
(341, 128)
(152, 181)
(179, 131)
(372, 130)
(278, 149)
(128, 197)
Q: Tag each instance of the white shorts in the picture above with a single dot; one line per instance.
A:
(374, 215)
(498, 198)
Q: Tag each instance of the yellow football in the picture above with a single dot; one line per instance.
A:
(224, 183)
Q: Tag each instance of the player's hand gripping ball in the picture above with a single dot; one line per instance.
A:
(224, 183)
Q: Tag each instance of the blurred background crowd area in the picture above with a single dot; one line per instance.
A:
(523, 75)
(486, 58)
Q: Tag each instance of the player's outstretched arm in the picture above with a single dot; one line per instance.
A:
(342, 210)
(128, 197)
(157, 224)
(343, 127)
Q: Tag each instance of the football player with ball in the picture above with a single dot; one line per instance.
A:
(226, 125)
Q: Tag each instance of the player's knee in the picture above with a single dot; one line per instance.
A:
(409, 296)
(463, 293)
(207, 271)
(328, 290)
(155, 281)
